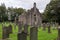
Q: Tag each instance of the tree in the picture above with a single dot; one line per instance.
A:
(15, 12)
(3, 15)
(19, 10)
(52, 11)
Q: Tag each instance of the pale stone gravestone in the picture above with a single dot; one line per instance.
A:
(44, 26)
(53, 26)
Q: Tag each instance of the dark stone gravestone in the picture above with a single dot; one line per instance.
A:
(5, 33)
(49, 28)
(10, 29)
(34, 33)
(22, 36)
(58, 33)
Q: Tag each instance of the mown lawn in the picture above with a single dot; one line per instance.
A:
(42, 35)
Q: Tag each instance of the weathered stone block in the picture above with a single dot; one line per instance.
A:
(10, 29)
(5, 33)
(22, 36)
(34, 33)
(49, 29)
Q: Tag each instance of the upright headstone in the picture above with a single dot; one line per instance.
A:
(5, 33)
(10, 28)
(58, 33)
(22, 36)
(44, 26)
(53, 26)
(49, 28)
(34, 33)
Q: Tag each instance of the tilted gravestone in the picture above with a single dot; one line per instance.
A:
(22, 36)
(58, 33)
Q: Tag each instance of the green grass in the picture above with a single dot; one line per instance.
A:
(42, 35)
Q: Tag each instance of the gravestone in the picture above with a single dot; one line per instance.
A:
(34, 33)
(44, 26)
(49, 28)
(10, 29)
(5, 33)
(58, 33)
(22, 36)
(53, 26)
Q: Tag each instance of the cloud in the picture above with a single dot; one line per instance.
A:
(27, 4)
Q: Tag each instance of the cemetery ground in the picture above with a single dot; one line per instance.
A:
(42, 35)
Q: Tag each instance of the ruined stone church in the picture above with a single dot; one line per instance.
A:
(32, 17)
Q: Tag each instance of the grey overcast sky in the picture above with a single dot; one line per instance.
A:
(26, 4)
